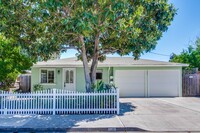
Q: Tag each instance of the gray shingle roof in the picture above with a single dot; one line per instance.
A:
(110, 61)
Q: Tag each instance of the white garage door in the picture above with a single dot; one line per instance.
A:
(163, 82)
(131, 83)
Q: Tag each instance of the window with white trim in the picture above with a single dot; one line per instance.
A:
(47, 76)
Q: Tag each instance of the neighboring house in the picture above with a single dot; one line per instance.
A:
(134, 78)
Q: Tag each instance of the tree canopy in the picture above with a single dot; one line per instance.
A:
(93, 27)
(12, 61)
(190, 56)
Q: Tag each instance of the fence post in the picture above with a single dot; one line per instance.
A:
(198, 86)
(54, 101)
(4, 103)
(117, 101)
(5, 111)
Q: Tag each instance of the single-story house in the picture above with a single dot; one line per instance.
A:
(134, 78)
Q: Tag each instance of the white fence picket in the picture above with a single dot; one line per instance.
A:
(60, 102)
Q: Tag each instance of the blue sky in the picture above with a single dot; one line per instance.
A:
(182, 32)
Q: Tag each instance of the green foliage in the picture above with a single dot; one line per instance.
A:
(12, 62)
(8, 80)
(46, 27)
(93, 28)
(93, 86)
(101, 86)
(38, 87)
(190, 56)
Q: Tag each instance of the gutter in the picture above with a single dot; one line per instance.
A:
(117, 65)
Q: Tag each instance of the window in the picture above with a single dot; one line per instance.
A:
(69, 76)
(47, 76)
(50, 76)
(43, 76)
(99, 76)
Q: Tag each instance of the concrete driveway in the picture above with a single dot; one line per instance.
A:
(136, 114)
(161, 114)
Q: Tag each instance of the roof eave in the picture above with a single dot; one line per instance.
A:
(110, 65)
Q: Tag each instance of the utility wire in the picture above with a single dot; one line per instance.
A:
(160, 54)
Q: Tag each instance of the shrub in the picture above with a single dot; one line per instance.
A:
(9, 81)
(38, 87)
(101, 86)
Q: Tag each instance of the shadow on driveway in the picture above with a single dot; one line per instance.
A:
(126, 107)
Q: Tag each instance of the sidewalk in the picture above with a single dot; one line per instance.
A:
(63, 123)
(142, 115)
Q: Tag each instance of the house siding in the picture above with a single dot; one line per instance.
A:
(107, 72)
(35, 78)
(80, 80)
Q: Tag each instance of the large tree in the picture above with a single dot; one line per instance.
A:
(12, 61)
(191, 55)
(93, 27)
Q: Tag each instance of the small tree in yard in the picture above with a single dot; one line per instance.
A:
(190, 56)
(12, 62)
(93, 27)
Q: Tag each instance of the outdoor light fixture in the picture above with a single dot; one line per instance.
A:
(58, 71)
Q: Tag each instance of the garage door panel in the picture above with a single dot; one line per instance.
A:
(163, 82)
(131, 83)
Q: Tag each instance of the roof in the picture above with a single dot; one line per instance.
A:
(109, 62)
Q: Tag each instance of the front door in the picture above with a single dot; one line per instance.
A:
(69, 79)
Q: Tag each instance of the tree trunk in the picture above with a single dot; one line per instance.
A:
(85, 66)
(95, 59)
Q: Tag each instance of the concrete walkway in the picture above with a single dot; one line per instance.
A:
(137, 114)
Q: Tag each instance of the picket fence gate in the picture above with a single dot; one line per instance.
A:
(57, 101)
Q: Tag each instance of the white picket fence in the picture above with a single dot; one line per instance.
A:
(56, 101)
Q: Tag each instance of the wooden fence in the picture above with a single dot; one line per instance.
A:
(56, 101)
(25, 82)
(191, 84)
